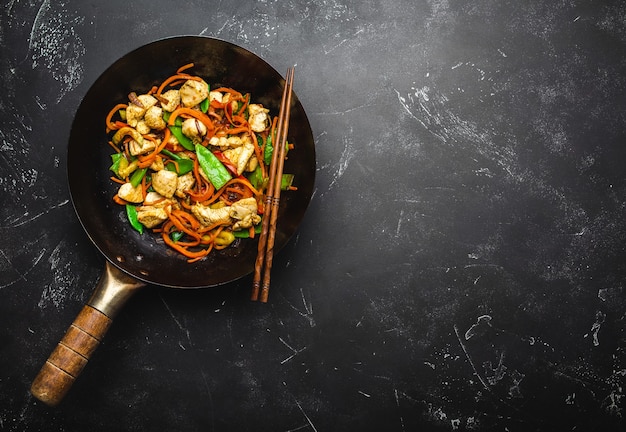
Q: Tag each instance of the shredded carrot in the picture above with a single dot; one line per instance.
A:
(144, 188)
(245, 182)
(184, 68)
(147, 160)
(119, 200)
(183, 250)
(116, 180)
(173, 78)
(191, 113)
(110, 126)
(234, 93)
(117, 150)
(258, 153)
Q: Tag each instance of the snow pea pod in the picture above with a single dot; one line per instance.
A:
(216, 172)
(131, 213)
(177, 131)
(185, 165)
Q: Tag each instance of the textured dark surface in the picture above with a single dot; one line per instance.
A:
(462, 263)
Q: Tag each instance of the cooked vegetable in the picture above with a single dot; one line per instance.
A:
(138, 176)
(192, 163)
(185, 141)
(215, 171)
(181, 165)
(131, 213)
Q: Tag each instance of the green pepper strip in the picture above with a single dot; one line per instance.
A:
(127, 130)
(256, 178)
(116, 158)
(176, 235)
(269, 149)
(137, 176)
(216, 172)
(131, 213)
(286, 181)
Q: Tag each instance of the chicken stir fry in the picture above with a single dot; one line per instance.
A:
(192, 163)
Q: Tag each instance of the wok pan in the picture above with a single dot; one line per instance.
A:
(134, 260)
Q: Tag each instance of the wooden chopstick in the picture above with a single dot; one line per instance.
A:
(265, 253)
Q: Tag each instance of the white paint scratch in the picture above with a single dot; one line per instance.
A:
(595, 328)
(184, 329)
(63, 280)
(483, 320)
(395, 393)
(344, 160)
(26, 218)
(305, 416)
(293, 350)
(22, 276)
(399, 226)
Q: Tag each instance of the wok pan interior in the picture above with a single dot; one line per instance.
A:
(145, 257)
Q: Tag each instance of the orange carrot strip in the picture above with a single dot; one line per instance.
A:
(119, 200)
(192, 113)
(116, 108)
(117, 150)
(184, 68)
(173, 78)
(258, 152)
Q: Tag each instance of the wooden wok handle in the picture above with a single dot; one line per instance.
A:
(70, 356)
(84, 335)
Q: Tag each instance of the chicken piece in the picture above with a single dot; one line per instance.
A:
(147, 100)
(173, 100)
(151, 216)
(240, 156)
(155, 199)
(214, 95)
(226, 142)
(193, 92)
(173, 141)
(165, 182)
(154, 210)
(252, 164)
(234, 141)
(157, 165)
(258, 117)
(194, 129)
(134, 112)
(129, 193)
(142, 127)
(146, 146)
(154, 118)
(219, 141)
(208, 216)
(185, 182)
(245, 212)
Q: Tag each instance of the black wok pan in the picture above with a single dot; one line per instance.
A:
(134, 260)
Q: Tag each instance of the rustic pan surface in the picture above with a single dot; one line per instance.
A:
(145, 257)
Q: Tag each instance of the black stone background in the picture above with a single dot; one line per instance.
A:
(461, 266)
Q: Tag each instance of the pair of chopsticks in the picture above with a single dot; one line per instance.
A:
(265, 254)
